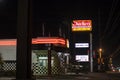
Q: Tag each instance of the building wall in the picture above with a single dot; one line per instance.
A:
(8, 52)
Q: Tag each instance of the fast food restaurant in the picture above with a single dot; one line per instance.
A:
(39, 57)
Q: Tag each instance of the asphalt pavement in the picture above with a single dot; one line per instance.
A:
(73, 76)
(83, 76)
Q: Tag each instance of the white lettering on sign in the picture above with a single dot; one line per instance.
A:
(82, 58)
(81, 45)
(81, 25)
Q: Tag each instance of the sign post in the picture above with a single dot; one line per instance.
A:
(82, 26)
(91, 56)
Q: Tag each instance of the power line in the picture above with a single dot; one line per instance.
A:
(116, 52)
(115, 25)
(110, 18)
(99, 27)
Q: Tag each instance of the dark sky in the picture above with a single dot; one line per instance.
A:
(105, 16)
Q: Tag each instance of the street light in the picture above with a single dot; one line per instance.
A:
(100, 49)
(100, 59)
(100, 53)
(1, 1)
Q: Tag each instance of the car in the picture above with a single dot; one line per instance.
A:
(118, 69)
(77, 68)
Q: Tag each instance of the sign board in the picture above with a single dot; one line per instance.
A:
(81, 45)
(82, 58)
(82, 25)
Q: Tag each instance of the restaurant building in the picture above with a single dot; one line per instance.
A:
(40, 50)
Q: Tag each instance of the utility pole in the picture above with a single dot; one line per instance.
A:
(23, 58)
(49, 59)
(43, 30)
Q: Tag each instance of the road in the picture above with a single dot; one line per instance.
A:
(80, 76)
(85, 76)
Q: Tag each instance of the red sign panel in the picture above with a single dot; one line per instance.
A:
(82, 25)
(45, 40)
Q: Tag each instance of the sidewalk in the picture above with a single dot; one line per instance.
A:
(97, 75)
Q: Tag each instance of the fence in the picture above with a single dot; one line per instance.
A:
(9, 67)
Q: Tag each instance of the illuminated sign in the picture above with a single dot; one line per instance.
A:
(82, 25)
(67, 43)
(81, 45)
(46, 40)
(7, 42)
(52, 40)
(82, 58)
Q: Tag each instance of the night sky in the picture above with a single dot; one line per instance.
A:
(105, 16)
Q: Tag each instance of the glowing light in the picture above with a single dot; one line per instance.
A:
(100, 49)
(67, 43)
(1, 1)
(82, 25)
(8, 42)
(82, 58)
(52, 40)
(48, 40)
(81, 45)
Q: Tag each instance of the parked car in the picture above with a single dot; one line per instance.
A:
(77, 68)
(118, 69)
